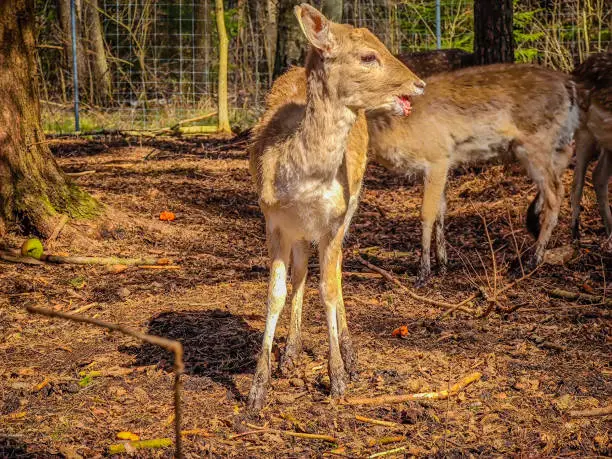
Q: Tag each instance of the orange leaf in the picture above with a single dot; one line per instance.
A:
(401, 331)
(166, 216)
(587, 288)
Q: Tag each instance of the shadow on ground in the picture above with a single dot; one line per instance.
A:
(216, 344)
(12, 448)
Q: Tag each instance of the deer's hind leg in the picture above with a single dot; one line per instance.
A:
(299, 271)
(543, 212)
(279, 247)
(441, 256)
(431, 210)
(601, 177)
(585, 147)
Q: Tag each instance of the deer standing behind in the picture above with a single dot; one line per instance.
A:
(594, 137)
(471, 115)
(307, 158)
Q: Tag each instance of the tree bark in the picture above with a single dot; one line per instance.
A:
(291, 48)
(223, 110)
(332, 9)
(99, 64)
(34, 192)
(493, 38)
(271, 36)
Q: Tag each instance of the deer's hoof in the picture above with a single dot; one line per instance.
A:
(289, 359)
(257, 397)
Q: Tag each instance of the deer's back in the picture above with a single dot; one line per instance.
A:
(475, 114)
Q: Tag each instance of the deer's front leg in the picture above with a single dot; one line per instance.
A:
(277, 293)
(330, 260)
(299, 270)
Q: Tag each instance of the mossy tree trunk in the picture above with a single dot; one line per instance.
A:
(34, 192)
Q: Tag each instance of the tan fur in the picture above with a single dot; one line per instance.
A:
(594, 137)
(307, 157)
(474, 115)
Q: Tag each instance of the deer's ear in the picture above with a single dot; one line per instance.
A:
(315, 26)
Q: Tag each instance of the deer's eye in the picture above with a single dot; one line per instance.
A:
(369, 58)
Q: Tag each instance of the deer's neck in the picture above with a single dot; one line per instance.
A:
(321, 140)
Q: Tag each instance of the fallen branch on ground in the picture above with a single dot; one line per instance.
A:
(388, 276)
(441, 395)
(593, 412)
(170, 345)
(69, 260)
(575, 296)
(7, 256)
(257, 429)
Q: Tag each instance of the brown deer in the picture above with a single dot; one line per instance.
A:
(594, 137)
(307, 158)
(475, 114)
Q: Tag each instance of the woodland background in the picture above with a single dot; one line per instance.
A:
(145, 64)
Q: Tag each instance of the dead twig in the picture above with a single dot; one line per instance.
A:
(575, 296)
(441, 395)
(388, 452)
(170, 345)
(592, 412)
(79, 174)
(389, 277)
(57, 230)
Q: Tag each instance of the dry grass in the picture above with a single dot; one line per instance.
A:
(215, 305)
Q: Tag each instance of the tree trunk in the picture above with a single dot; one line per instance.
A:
(100, 70)
(291, 48)
(332, 9)
(34, 191)
(271, 36)
(493, 39)
(224, 125)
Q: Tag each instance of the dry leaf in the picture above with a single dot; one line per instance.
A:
(402, 331)
(116, 269)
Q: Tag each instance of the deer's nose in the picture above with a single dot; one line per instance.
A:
(420, 84)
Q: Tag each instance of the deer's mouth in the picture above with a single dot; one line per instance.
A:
(404, 104)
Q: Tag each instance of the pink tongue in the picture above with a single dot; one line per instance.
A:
(405, 104)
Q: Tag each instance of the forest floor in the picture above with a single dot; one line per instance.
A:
(68, 389)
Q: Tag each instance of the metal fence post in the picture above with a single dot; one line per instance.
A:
(438, 31)
(75, 69)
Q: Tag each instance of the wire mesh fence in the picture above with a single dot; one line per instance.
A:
(158, 59)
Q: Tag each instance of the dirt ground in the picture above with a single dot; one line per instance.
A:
(67, 389)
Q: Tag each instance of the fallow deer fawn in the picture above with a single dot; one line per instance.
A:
(475, 114)
(308, 158)
(594, 137)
